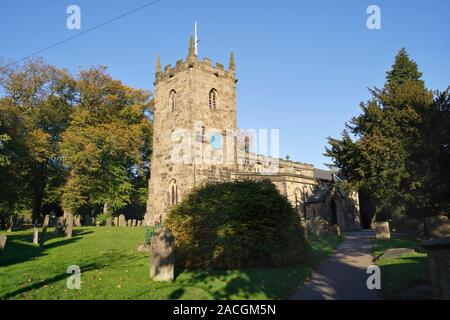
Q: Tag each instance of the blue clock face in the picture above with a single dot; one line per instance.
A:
(216, 141)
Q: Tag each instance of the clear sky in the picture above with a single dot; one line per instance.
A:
(303, 66)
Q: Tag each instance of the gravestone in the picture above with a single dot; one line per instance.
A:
(59, 228)
(336, 230)
(382, 230)
(77, 221)
(44, 230)
(86, 220)
(129, 223)
(122, 222)
(3, 239)
(133, 223)
(438, 251)
(108, 222)
(161, 255)
(116, 221)
(438, 227)
(69, 225)
(396, 252)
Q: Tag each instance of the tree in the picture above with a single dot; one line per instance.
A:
(39, 98)
(378, 159)
(106, 145)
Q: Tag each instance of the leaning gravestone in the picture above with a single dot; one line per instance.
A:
(3, 239)
(161, 255)
(122, 222)
(44, 230)
(69, 225)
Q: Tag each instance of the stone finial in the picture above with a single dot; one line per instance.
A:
(158, 65)
(232, 64)
(192, 46)
(192, 57)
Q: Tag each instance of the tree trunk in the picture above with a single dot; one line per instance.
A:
(35, 233)
(44, 230)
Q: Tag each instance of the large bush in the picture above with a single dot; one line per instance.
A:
(237, 224)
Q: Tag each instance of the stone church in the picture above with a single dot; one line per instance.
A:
(196, 141)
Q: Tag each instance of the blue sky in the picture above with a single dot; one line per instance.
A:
(303, 66)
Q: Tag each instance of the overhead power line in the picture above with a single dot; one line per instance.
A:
(86, 31)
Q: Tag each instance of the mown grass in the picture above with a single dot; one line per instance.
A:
(112, 268)
(403, 272)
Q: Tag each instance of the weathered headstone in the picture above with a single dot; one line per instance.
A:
(382, 230)
(59, 228)
(438, 251)
(129, 223)
(161, 255)
(108, 222)
(122, 222)
(69, 225)
(336, 230)
(438, 227)
(86, 220)
(3, 239)
(44, 230)
(116, 221)
(77, 221)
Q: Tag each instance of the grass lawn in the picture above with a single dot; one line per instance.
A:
(112, 268)
(401, 273)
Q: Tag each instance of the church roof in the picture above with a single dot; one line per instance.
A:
(323, 174)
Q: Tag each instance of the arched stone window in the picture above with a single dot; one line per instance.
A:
(173, 100)
(213, 99)
(173, 192)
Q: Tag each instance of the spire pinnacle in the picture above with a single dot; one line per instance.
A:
(158, 65)
(192, 46)
(232, 64)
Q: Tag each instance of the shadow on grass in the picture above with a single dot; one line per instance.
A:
(402, 273)
(20, 248)
(101, 262)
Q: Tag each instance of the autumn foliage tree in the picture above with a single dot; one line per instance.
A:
(106, 145)
(70, 141)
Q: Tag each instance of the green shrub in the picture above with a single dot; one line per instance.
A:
(236, 225)
(102, 217)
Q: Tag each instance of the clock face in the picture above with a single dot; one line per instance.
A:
(216, 141)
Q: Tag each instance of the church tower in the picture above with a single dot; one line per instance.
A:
(194, 109)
